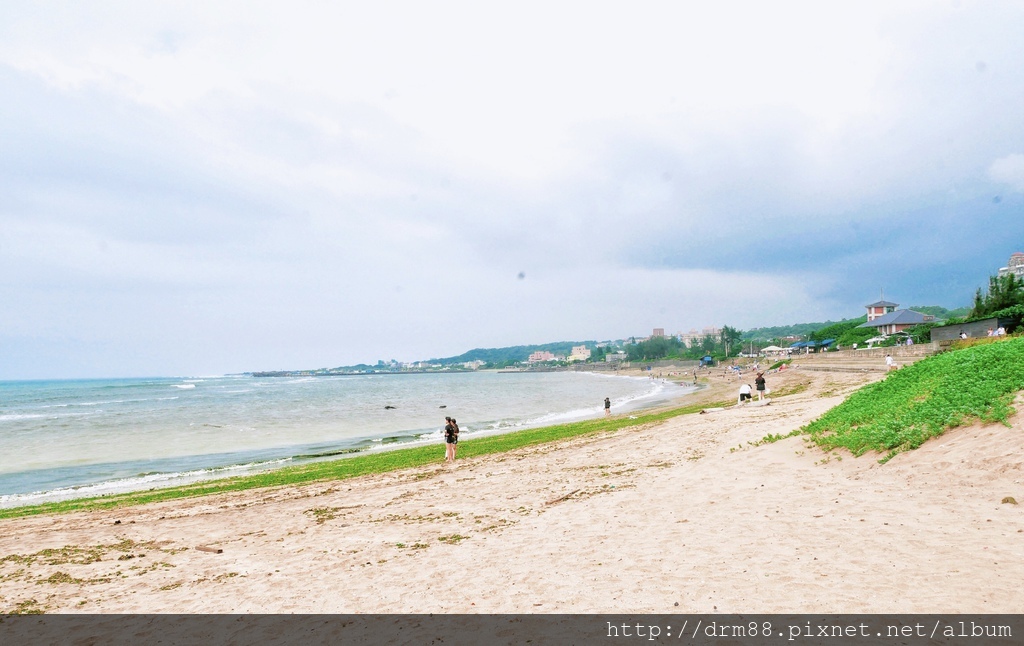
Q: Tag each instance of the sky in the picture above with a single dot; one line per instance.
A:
(196, 188)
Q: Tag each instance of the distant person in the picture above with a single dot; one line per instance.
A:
(760, 385)
(910, 340)
(744, 394)
(607, 406)
(991, 332)
(451, 438)
(889, 365)
(1000, 331)
(963, 335)
(455, 444)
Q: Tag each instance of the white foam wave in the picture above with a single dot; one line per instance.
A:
(10, 417)
(137, 483)
(184, 386)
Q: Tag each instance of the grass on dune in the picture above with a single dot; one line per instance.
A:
(360, 465)
(925, 399)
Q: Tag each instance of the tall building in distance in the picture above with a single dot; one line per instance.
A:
(693, 337)
(1014, 266)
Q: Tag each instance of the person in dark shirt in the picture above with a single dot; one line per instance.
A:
(450, 439)
(760, 386)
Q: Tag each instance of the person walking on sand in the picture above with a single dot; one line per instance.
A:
(450, 439)
(889, 365)
(760, 385)
(607, 406)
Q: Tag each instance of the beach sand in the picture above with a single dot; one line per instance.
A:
(687, 512)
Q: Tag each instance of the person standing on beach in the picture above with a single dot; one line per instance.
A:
(450, 438)
(455, 434)
(607, 406)
(889, 365)
(760, 385)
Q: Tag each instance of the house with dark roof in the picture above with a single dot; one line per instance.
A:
(897, 321)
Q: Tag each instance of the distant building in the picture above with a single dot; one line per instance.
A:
(540, 355)
(881, 308)
(658, 331)
(579, 353)
(693, 337)
(473, 365)
(1014, 266)
(897, 321)
(615, 356)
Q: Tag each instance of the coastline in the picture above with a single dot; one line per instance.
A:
(694, 510)
(182, 470)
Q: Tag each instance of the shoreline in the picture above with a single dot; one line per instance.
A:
(694, 510)
(413, 453)
(153, 477)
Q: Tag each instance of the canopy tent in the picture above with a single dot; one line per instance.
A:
(813, 344)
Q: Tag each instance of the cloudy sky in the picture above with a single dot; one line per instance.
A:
(202, 188)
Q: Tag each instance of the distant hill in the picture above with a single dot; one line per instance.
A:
(779, 331)
(941, 312)
(513, 353)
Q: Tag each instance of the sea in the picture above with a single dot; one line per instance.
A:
(76, 438)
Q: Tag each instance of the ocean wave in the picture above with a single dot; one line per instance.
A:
(10, 417)
(184, 386)
(135, 483)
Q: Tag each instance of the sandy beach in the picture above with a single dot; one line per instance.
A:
(686, 516)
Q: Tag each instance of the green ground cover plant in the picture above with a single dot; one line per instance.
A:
(925, 399)
(361, 464)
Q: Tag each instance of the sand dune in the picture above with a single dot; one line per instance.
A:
(688, 512)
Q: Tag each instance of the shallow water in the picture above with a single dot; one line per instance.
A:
(65, 439)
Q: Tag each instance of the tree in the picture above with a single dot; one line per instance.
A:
(1003, 291)
(730, 338)
(708, 344)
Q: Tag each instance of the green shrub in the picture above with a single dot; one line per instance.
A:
(925, 399)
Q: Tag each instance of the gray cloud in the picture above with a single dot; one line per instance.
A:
(204, 193)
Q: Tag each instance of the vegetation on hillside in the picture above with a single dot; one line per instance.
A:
(925, 399)
(1003, 292)
(837, 330)
(772, 334)
(940, 312)
(512, 354)
(1004, 298)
